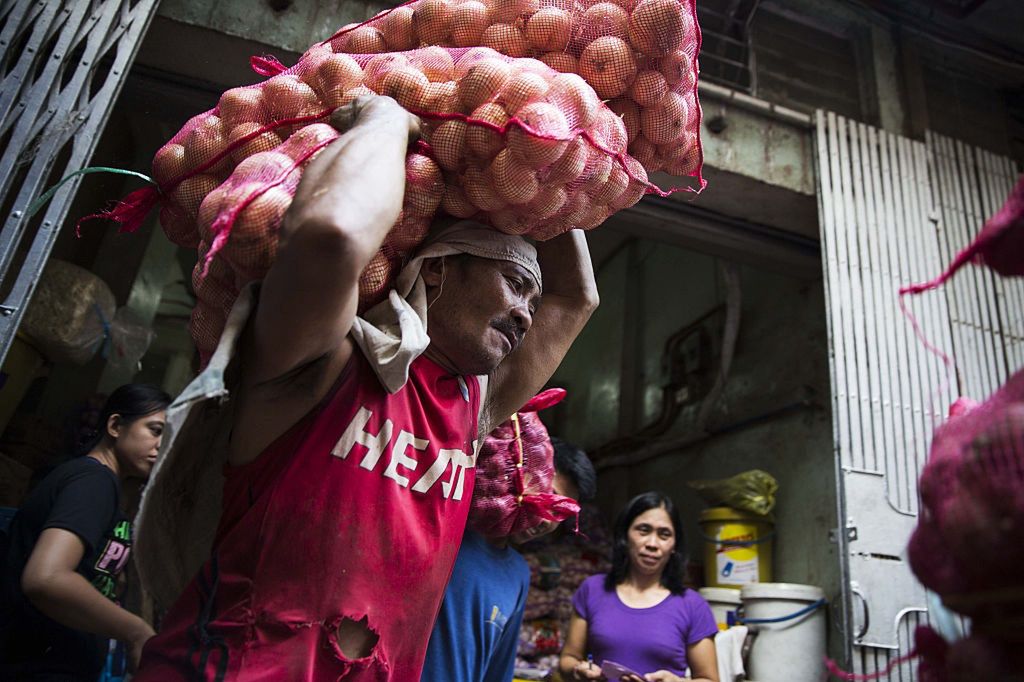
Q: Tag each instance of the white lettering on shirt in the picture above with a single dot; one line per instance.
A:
(400, 459)
(376, 444)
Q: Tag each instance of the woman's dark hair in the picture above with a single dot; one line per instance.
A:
(130, 402)
(675, 569)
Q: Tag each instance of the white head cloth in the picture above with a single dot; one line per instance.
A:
(393, 333)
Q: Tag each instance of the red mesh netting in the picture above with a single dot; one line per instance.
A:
(639, 55)
(967, 546)
(524, 144)
(999, 245)
(514, 473)
(509, 142)
(972, 494)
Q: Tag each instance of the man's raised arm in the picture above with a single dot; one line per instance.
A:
(348, 199)
(570, 297)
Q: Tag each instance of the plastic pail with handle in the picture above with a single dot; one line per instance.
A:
(737, 547)
(722, 600)
(790, 624)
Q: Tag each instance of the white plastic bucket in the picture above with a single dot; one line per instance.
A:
(790, 624)
(721, 600)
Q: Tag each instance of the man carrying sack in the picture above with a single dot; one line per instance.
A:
(350, 443)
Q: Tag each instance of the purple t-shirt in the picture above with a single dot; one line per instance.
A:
(645, 640)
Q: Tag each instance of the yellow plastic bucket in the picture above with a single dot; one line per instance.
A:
(737, 547)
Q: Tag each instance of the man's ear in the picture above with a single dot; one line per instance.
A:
(432, 271)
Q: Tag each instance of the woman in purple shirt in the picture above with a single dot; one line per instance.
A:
(640, 616)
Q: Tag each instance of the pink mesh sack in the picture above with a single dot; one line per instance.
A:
(966, 547)
(509, 142)
(639, 55)
(514, 474)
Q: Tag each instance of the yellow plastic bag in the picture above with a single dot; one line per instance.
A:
(752, 491)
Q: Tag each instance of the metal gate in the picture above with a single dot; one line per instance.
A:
(895, 211)
(61, 69)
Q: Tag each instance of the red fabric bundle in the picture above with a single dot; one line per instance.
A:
(639, 55)
(514, 474)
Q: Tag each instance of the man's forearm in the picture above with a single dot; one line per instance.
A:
(356, 185)
(567, 269)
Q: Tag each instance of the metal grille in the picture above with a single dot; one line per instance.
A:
(62, 67)
(895, 211)
(725, 42)
(875, 203)
(986, 310)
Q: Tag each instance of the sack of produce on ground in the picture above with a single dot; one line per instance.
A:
(639, 55)
(509, 142)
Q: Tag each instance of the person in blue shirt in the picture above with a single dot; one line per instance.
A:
(476, 633)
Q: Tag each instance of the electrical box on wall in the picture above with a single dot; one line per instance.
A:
(691, 357)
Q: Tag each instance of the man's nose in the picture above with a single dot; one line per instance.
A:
(521, 314)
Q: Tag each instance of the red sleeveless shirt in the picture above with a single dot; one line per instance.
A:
(357, 510)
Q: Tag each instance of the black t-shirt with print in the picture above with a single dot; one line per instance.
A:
(83, 497)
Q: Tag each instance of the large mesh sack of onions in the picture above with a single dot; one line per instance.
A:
(639, 55)
(972, 491)
(514, 475)
(966, 547)
(510, 142)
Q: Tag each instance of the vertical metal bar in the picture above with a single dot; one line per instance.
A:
(860, 288)
(969, 283)
(894, 469)
(987, 208)
(881, 225)
(925, 388)
(964, 352)
(993, 281)
(914, 379)
(829, 266)
(897, 347)
(838, 313)
(912, 383)
(944, 381)
(999, 184)
(873, 294)
(1007, 180)
(996, 370)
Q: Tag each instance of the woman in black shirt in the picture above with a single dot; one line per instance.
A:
(67, 545)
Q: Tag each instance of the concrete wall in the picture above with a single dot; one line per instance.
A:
(294, 27)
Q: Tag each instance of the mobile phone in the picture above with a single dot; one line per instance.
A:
(616, 671)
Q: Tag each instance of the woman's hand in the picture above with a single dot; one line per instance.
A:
(587, 670)
(135, 644)
(662, 676)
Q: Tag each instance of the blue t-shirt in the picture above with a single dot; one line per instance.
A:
(477, 629)
(644, 640)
